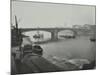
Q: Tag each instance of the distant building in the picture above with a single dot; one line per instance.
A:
(76, 26)
(92, 28)
(87, 26)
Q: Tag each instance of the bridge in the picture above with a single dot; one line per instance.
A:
(54, 31)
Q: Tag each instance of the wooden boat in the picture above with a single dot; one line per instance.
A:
(38, 35)
(93, 38)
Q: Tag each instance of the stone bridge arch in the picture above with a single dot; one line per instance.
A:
(54, 31)
(74, 32)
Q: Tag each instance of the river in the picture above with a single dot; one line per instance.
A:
(79, 47)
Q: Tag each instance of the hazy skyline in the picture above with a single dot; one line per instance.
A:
(34, 14)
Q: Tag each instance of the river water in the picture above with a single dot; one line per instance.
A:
(79, 47)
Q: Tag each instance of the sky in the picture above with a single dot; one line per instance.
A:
(38, 14)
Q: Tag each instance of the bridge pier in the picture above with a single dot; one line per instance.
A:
(54, 35)
(75, 33)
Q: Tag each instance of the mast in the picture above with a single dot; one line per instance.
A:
(38, 34)
(16, 23)
(18, 35)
